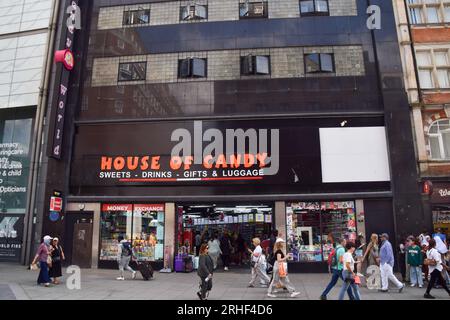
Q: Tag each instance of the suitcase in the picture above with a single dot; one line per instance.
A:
(146, 270)
(188, 264)
(183, 263)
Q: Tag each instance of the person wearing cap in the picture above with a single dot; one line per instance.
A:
(42, 256)
(387, 265)
(57, 255)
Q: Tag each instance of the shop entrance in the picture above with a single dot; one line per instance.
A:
(78, 247)
(242, 223)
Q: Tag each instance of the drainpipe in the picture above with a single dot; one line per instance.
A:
(36, 149)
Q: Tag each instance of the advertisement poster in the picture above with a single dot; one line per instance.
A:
(11, 231)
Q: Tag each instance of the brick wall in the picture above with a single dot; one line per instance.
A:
(225, 64)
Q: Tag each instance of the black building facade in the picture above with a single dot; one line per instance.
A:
(321, 88)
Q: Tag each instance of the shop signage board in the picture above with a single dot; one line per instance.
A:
(441, 193)
(11, 231)
(56, 204)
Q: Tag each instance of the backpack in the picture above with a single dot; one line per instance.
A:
(126, 249)
(332, 259)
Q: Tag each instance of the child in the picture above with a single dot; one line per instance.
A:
(414, 259)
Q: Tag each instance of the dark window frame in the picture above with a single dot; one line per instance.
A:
(191, 61)
(119, 80)
(134, 23)
(254, 59)
(315, 12)
(263, 16)
(320, 63)
(194, 18)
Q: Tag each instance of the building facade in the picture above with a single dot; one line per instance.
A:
(24, 38)
(186, 117)
(424, 43)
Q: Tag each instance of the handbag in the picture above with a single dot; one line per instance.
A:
(282, 270)
(49, 260)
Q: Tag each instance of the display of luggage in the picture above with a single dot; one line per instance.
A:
(184, 263)
(146, 270)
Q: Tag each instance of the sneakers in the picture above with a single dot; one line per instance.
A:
(428, 296)
(401, 289)
(120, 278)
(323, 297)
(420, 286)
(271, 295)
(134, 275)
(360, 275)
(384, 291)
(225, 269)
(199, 295)
(413, 285)
(294, 294)
(250, 286)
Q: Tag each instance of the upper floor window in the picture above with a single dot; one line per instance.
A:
(134, 17)
(439, 135)
(319, 62)
(255, 65)
(132, 71)
(258, 9)
(193, 12)
(314, 7)
(192, 68)
(434, 69)
(429, 11)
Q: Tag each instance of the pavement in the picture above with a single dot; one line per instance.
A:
(18, 283)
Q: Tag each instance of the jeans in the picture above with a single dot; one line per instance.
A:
(124, 264)
(436, 276)
(348, 285)
(336, 274)
(387, 274)
(43, 273)
(277, 280)
(415, 275)
(225, 260)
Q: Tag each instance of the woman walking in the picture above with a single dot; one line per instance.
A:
(214, 249)
(43, 256)
(435, 266)
(57, 255)
(348, 273)
(372, 252)
(258, 263)
(205, 272)
(280, 271)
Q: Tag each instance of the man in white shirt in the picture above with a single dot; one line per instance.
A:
(435, 269)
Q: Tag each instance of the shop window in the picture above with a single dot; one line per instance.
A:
(136, 17)
(141, 225)
(255, 65)
(192, 68)
(314, 8)
(250, 10)
(133, 71)
(193, 12)
(319, 62)
(439, 140)
(313, 226)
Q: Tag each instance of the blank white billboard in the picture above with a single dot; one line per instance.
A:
(354, 155)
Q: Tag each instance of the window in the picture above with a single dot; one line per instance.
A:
(429, 11)
(253, 10)
(193, 12)
(133, 71)
(255, 65)
(314, 7)
(439, 139)
(434, 69)
(192, 68)
(319, 62)
(136, 17)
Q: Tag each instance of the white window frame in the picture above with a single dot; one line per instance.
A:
(440, 139)
(433, 67)
(423, 7)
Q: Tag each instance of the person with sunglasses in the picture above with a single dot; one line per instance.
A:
(205, 272)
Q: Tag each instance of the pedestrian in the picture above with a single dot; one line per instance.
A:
(439, 234)
(225, 248)
(414, 259)
(57, 255)
(240, 249)
(435, 265)
(280, 274)
(273, 239)
(258, 264)
(348, 273)
(198, 243)
(43, 255)
(372, 253)
(442, 249)
(387, 265)
(402, 259)
(124, 255)
(214, 249)
(205, 272)
(359, 253)
(336, 267)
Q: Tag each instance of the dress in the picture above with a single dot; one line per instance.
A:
(374, 253)
(55, 269)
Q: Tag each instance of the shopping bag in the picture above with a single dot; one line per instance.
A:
(282, 269)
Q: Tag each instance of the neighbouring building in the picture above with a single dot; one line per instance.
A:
(138, 133)
(424, 40)
(24, 39)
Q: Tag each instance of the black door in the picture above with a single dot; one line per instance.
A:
(78, 242)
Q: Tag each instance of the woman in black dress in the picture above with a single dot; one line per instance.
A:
(55, 271)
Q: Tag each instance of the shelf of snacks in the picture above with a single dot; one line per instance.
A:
(109, 250)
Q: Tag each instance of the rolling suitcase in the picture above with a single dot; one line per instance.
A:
(188, 264)
(146, 270)
(179, 263)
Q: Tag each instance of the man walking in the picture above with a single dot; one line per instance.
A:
(336, 268)
(387, 265)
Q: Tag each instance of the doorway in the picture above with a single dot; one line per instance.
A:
(78, 242)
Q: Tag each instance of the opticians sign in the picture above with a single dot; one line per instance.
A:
(67, 58)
